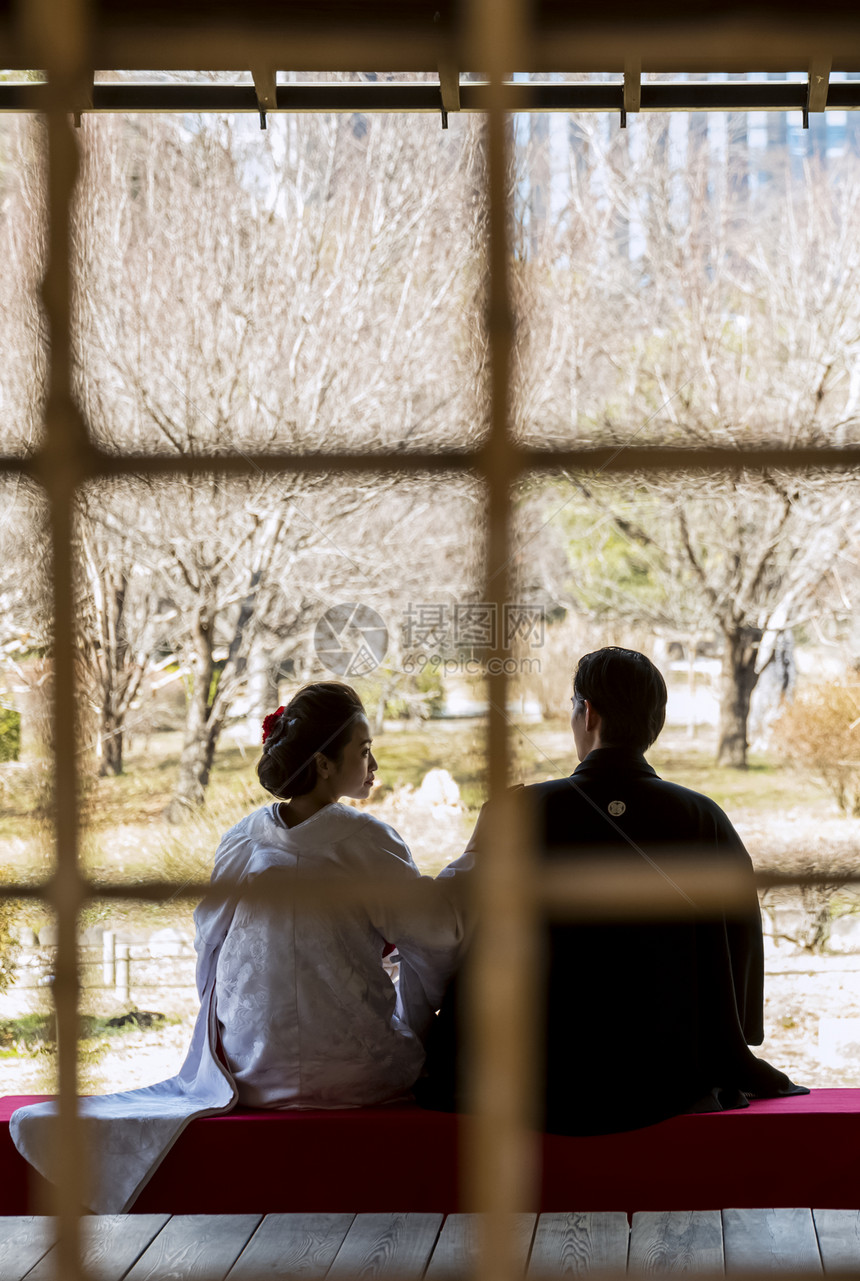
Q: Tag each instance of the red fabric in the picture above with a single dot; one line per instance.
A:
(778, 1152)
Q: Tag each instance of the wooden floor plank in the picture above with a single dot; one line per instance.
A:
(770, 1241)
(292, 1245)
(24, 1239)
(676, 1241)
(457, 1246)
(387, 1245)
(195, 1245)
(111, 1244)
(579, 1242)
(838, 1233)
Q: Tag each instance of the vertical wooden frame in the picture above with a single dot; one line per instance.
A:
(55, 33)
(501, 1166)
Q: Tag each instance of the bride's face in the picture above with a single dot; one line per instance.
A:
(353, 774)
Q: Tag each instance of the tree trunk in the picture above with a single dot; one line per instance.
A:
(195, 766)
(201, 729)
(738, 681)
(111, 744)
(208, 705)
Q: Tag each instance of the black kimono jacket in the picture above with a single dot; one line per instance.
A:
(641, 1019)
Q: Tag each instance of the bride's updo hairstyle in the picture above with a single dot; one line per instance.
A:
(319, 718)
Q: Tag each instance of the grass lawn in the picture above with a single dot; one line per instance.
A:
(766, 784)
(125, 834)
(125, 838)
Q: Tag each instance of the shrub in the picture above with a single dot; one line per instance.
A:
(10, 734)
(820, 732)
(8, 940)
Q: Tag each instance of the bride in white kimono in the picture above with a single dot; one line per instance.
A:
(296, 1008)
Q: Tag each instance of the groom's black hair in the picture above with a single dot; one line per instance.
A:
(629, 693)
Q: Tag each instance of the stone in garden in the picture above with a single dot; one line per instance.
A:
(839, 1042)
(26, 937)
(438, 788)
(48, 936)
(845, 934)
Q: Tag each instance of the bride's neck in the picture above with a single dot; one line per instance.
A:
(301, 808)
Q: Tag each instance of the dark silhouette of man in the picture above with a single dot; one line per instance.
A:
(642, 1018)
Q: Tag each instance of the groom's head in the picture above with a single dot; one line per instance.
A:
(626, 691)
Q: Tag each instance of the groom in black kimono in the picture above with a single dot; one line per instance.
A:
(642, 1019)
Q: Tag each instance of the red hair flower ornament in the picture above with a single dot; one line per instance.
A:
(269, 723)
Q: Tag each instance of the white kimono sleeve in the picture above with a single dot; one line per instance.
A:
(421, 921)
(128, 1134)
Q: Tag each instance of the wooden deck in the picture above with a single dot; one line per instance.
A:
(244, 1247)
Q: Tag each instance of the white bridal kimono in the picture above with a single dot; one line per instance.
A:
(306, 1015)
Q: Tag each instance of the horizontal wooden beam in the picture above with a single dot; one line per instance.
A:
(94, 464)
(672, 35)
(765, 95)
(565, 887)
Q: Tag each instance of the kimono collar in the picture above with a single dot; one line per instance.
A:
(603, 759)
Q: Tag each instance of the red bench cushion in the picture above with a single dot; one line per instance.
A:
(778, 1152)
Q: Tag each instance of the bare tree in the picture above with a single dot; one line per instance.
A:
(23, 224)
(239, 293)
(705, 313)
(747, 557)
(25, 624)
(121, 622)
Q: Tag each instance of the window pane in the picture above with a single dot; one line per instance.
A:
(314, 285)
(204, 605)
(27, 932)
(22, 252)
(722, 583)
(686, 281)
